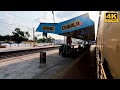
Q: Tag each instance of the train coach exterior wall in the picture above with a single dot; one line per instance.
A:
(108, 42)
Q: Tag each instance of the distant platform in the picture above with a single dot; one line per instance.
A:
(9, 49)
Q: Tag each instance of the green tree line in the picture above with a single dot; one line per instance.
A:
(18, 36)
(45, 40)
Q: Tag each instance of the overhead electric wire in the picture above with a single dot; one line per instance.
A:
(24, 19)
(18, 24)
(4, 22)
(19, 18)
(16, 16)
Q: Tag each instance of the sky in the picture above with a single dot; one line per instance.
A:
(26, 20)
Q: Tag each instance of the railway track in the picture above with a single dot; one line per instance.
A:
(10, 54)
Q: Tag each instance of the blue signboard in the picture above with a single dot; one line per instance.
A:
(71, 25)
(47, 28)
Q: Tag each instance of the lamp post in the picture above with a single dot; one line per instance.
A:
(33, 32)
(53, 16)
(33, 36)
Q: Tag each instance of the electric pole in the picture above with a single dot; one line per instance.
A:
(33, 37)
(53, 16)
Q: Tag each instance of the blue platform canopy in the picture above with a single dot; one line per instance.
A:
(81, 27)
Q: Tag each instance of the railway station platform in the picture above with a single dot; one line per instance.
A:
(83, 68)
(9, 49)
(80, 66)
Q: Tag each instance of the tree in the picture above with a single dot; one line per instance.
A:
(15, 34)
(50, 39)
(1, 38)
(39, 40)
(18, 32)
(7, 38)
(27, 34)
(18, 36)
(43, 40)
(35, 38)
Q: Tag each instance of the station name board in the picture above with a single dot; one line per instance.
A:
(71, 25)
(49, 28)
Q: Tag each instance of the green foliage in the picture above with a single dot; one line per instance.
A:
(27, 34)
(18, 36)
(43, 40)
(1, 38)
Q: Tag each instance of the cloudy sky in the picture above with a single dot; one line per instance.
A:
(26, 20)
